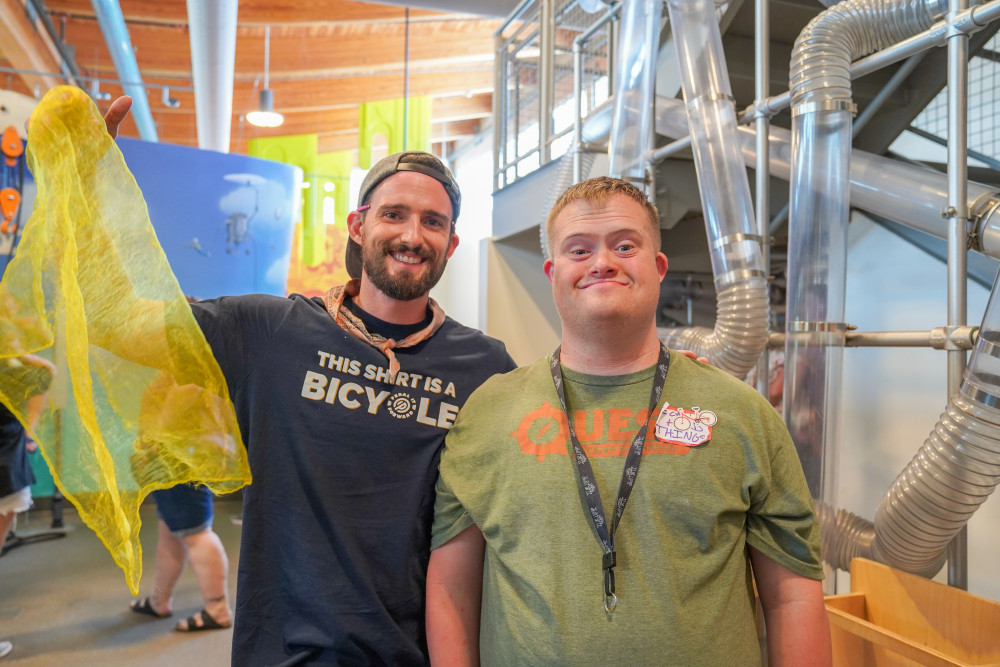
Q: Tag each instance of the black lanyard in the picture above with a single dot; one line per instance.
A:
(588, 483)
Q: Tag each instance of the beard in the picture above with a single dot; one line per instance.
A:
(402, 287)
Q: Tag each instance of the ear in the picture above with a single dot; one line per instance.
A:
(548, 266)
(661, 265)
(452, 244)
(354, 221)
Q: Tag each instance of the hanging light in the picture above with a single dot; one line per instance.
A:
(265, 115)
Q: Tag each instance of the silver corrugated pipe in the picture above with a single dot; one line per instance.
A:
(819, 208)
(959, 464)
(563, 179)
(954, 472)
(576, 162)
(741, 325)
(951, 475)
(821, 58)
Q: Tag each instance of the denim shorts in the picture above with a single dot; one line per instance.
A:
(186, 508)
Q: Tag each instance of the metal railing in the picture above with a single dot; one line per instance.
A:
(547, 80)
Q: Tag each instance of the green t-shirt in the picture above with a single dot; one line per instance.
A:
(683, 578)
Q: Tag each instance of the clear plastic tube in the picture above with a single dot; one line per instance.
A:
(907, 193)
(817, 269)
(741, 329)
(632, 121)
(958, 466)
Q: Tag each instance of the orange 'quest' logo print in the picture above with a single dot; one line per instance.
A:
(545, 431)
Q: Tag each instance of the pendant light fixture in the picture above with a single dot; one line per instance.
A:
(265, 115)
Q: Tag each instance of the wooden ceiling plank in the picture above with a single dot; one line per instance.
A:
(460, 107)
(259, 12)
(451, 131)
(355, 90)
(28, 47)
(163, 51)
(326, 59)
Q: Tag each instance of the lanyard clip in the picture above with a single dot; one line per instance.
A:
(610, 599)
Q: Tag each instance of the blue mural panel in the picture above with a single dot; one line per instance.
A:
(225, 221)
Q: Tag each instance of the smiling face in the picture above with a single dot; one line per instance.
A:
(405, 236)
(605, 267)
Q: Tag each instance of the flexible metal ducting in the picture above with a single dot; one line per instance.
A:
(913, 195)
(951, 475)
(212, 30)
(959, 464)
(741, 326)
(109, 17)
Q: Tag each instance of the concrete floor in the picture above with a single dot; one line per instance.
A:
(65, 602)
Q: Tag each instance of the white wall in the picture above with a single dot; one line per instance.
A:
(893, 397)
(458, 291)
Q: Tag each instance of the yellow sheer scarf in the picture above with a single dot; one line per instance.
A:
(136, 402)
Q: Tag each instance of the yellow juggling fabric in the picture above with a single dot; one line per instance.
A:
(137, 402)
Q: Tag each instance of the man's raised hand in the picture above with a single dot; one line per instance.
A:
(116, 114)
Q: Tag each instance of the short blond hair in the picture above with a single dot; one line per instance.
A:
(596, 192)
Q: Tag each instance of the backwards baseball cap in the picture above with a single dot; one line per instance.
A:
(419, 161)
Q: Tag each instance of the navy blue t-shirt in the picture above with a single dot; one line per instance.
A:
(336, 525)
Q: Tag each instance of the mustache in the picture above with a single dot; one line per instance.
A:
(421, 251)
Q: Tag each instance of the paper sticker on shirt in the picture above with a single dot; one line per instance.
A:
(684, 426)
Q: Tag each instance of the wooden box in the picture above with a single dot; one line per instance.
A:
(893, 618)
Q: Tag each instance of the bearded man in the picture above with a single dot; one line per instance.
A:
(343, 404)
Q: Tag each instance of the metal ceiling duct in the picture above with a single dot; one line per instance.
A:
(212, 28)
(112, 22)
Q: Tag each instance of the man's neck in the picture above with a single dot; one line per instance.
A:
(616, 353)
(371, 300)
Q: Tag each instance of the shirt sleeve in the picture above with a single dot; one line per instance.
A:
(450, 516)
(461, 469)
(237, 328)
(781, 522)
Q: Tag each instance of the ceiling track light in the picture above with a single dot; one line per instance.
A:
(96, 92)
(265, 115)
(167, 101)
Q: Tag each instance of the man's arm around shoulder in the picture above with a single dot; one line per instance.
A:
(798, 629)
(454, 596)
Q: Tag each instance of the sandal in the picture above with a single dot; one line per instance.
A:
(144, 606)
(207, 623)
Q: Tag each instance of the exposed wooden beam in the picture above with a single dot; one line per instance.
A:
(325, 60)
(338, 93)
(452, 131)
(181, 128)
(27, 46)
(259, 12)
(164, 51)
(462, 107)
(355, 90)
